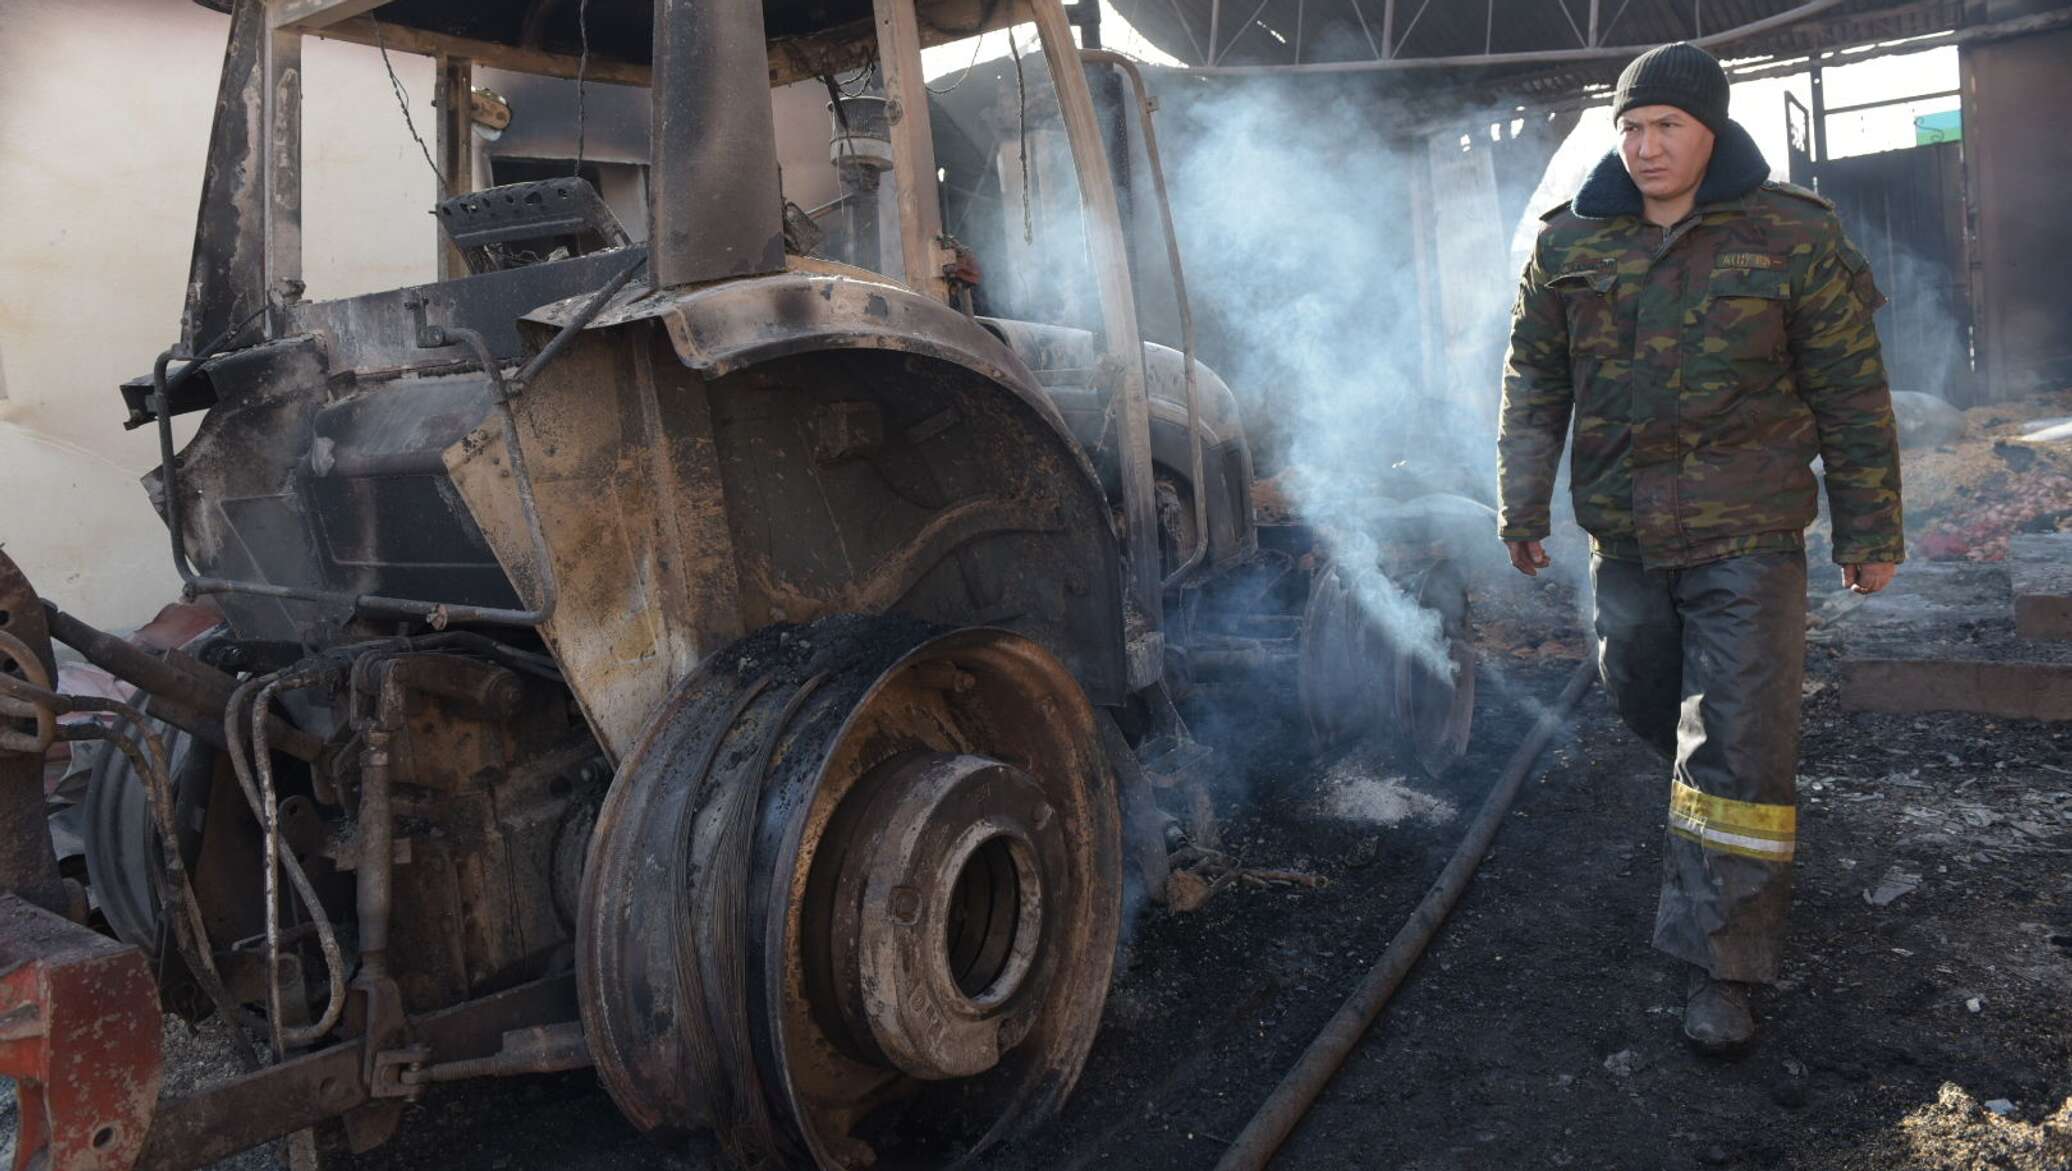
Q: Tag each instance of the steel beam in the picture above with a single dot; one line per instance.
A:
(1537, 57)
(1122, 359)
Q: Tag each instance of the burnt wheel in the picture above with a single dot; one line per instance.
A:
(853, 898)
(1435, 700)
(1357, 675)
(1346, 660)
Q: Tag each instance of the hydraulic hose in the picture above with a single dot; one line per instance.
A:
(1277, 1119)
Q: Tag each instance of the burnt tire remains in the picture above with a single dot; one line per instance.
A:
(854, 897)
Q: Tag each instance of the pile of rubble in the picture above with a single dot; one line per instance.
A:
(2008, 471)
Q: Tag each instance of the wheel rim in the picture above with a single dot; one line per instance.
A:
(1435, 709)
(891, 865)
(1346, 663)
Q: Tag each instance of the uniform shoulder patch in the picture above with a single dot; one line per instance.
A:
(1796, 191)
(1548, 216)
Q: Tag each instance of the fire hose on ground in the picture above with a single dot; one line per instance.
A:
(1283, 1111)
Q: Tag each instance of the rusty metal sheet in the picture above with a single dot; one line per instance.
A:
(79, 1033)
(712, 460)
(634, 520)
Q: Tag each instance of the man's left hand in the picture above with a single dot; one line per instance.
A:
(1869, 577)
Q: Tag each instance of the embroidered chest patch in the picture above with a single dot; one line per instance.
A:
(1748, 260)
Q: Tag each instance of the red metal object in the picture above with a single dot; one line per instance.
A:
(80, 1034)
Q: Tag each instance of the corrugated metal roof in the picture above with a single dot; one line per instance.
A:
(1274, 32)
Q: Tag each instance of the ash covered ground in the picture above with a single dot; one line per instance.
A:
(1921, 1024)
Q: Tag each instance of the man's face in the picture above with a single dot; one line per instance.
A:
(1665, 149)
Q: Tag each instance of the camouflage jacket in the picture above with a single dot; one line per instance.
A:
(1705, 365)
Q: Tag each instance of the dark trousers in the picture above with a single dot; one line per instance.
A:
(1706, 664)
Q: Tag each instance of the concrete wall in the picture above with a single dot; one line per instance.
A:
(104, 120)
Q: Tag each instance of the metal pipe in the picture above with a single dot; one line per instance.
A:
(576, 324)
(270, 821)
(539, 1049)
(327, 939)
(1884, 102)
(374, 874)
(1122, 357)
(147, 755)
(714, 206)
(1270, 1127)
(194, 693)
(1172, 239)
(1538, 57)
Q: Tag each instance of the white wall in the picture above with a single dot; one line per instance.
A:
(104, 122)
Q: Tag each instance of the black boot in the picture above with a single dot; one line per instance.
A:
(1716, 1018)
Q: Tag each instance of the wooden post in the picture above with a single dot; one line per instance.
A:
(455, 105)
(913, 147)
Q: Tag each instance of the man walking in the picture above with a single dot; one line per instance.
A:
(1710, 333)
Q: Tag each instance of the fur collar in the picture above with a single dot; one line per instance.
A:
(1737, 168)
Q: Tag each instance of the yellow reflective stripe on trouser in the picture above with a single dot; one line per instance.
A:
(1767, 832)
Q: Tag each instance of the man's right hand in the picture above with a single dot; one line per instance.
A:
(1528, 557)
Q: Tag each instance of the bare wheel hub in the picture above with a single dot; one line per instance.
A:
(853, 900)
(939, 917)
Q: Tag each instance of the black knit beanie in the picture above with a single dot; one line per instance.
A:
(1681, 75)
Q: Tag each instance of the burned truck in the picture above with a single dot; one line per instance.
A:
(740, 671)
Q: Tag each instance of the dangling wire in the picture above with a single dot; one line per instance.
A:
(582, 68)
(977, 43)
(403, 101)
(862, 81)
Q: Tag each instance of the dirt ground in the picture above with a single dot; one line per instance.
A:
(1541, 1029)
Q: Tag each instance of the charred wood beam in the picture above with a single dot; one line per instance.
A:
(792, 59)
(361, 30)
(454, 100)
(913, 146)
(310, 15)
